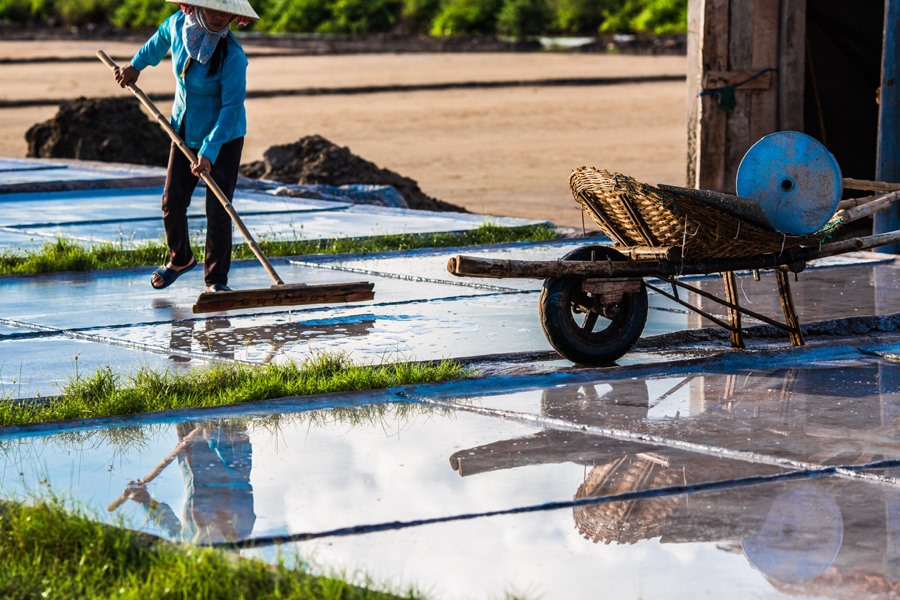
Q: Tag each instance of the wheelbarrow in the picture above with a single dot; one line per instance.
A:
(593, 304)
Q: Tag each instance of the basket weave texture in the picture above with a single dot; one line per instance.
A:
(632, 213)
(626, 522)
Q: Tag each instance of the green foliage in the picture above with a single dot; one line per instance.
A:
(646, 16)
(66, 255)
(79, 12)
(103, 393)
(295, 15)
(25, 12)
(522, 18)
(136, 14)
(15, 11)
(416, 15)
(362, 16)
(46, 551)
(438, 17)
(579, 17)
(466, 17)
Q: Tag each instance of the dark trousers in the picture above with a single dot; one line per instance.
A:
(180, 185)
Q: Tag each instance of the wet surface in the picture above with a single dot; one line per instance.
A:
(717, 483)
(39, 366)
(129, 216)
(419, 313)
(765, 473)
(26, 173)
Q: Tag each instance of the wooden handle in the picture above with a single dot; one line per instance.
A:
(159, 468)
(869, 186)
(869, 208)
(205, 176)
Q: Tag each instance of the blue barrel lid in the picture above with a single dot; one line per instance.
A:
(795, 180)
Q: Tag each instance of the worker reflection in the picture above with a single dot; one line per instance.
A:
(215, 462)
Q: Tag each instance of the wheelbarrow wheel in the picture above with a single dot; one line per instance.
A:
(580, 325)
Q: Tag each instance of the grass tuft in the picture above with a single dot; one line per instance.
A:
(67, 255)
(47, 551)
(105, 394)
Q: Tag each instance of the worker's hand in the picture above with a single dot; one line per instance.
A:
(137, 491)
(126, 75)
(200, 166)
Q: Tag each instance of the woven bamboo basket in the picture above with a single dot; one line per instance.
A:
(632, 213)
(632, 521)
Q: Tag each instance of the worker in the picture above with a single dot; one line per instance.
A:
(210, 69)
(215, 459)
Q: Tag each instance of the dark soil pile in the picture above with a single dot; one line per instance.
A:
(103, 129)
(314, 160)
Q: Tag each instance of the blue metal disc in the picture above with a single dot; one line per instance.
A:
(801, 536)
(795, 180)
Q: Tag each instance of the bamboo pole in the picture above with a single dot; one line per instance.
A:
(787, 307)
(869, 186)
(159, 468)
(652, 252)
(734, 312)
(867, 208)
(470, 266)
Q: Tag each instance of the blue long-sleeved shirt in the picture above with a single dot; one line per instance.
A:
(210, 107)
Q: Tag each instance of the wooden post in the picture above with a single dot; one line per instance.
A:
(734, 315)
(707, 51)
(791, 65)
(787, 306)
(887, 165)
(739, 43)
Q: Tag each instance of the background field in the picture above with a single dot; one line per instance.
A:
(497, 150)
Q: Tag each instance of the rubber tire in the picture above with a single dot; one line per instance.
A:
(596, 348)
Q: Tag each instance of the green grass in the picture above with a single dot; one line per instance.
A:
(48, 552)
(66, 255)
(104, 393)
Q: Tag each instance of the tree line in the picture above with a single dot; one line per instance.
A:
(508, 18)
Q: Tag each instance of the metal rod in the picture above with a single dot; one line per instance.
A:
(684, 303)
(205, 176)
(725, 303)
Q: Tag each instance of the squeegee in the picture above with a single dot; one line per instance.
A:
(279, 294)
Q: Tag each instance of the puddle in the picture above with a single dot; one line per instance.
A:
(839, 412)
(41, 367)
(131, 216)
(531, 484)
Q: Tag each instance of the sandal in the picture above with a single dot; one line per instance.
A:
(168, 274)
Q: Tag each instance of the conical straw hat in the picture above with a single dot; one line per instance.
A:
(240, 8)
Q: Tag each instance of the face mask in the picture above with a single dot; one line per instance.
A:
(199, 40)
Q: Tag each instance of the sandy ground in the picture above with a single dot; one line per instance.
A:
(502, 151)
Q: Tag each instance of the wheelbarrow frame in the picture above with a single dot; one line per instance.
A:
(611, 274)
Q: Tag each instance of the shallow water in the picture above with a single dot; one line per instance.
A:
(481, 488)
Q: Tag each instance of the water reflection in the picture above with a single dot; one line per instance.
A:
(832, 536)
(215, 460)
(828, 415)
(259, 343)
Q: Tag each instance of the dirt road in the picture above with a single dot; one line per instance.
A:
(504, 150)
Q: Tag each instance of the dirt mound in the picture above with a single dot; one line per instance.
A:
(315, 160)
(104, 129)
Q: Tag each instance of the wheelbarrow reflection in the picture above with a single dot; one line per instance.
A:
(804, 535)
